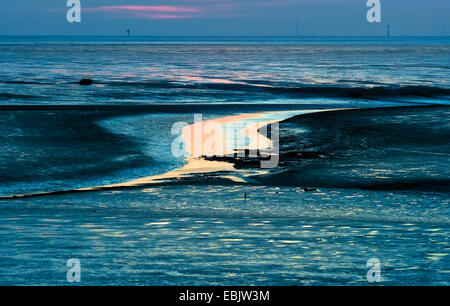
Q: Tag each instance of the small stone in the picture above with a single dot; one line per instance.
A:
(86, 82)
(309, 189)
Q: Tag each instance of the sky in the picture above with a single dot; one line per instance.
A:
(224, 17)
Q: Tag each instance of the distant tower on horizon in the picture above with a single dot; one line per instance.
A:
(128, 32)
(297, 27)
(388, 31)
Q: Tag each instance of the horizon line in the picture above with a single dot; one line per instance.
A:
(203, 35)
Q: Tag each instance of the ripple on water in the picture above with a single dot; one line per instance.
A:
(157, 223)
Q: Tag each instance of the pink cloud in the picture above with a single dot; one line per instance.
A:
(192, 9)
(147, 8)
(150, 11)
(161, 16)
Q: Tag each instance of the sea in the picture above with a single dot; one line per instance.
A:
(380, 188)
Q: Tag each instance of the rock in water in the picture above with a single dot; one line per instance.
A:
(309, 189)
(86, 82)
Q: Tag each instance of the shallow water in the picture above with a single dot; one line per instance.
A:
(148, 71)
(206, 235)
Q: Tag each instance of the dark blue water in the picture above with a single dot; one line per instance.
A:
(401, 148)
